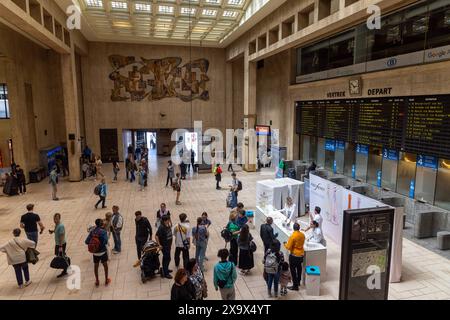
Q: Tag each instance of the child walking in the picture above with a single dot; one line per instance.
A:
(285, 278)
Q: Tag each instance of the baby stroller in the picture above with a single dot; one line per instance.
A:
(149, 260)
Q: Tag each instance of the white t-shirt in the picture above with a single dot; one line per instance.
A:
(184, 227)
(316, 235)
(318, 218)
(290, 212)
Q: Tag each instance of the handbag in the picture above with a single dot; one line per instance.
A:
(205, 289)
(31, 254)
(60, 262)
(252, 246)
(185, 241)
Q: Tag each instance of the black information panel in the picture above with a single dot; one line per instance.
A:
(366, 254)
(419, 124)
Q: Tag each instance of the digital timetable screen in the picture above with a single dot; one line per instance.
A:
(418, 124)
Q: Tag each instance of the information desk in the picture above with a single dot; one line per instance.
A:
(315, 253)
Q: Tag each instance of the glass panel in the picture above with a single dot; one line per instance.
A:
(374, 165)
(442, 198)
(329, 159)
(439, 25)
(389, 176)
(361, 167)
(313, 149)
(321, 152)
(314, 58)
(305, 147)
(349, 159)
(339, 158)
(400, 33)
(406, 172)
(425, 184)
(341, 50)
(4, 105)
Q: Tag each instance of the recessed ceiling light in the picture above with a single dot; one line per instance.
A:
(213, 1)
(122, 24)
(143, 7)
(121, 5)
(165, 9)
(230, 14)
(209, 12)
(94, 3)
(187, 11)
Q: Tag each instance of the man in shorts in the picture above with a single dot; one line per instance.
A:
(101, 254)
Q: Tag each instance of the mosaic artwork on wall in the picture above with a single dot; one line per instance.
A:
(156, 79)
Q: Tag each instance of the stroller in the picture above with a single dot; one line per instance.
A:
(149, 260)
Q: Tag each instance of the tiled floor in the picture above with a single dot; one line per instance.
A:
(426, 274)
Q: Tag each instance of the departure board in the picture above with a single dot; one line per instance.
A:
(418, 124)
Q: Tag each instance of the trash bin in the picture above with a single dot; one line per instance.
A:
(312, 281)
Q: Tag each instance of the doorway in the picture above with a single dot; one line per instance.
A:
(108, 145)
(137, 140)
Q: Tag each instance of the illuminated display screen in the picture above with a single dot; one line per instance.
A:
(418, 124)
(262, 130)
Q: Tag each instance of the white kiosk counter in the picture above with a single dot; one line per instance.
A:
(315, 253)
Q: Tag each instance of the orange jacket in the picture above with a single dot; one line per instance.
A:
(295, 244)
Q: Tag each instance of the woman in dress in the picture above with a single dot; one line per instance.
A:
(245, 253)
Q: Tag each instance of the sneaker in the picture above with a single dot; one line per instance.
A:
(107, 281)
(20, 286)
(62, 274)
(104, 207)
(168, 276)
(27, 283)
(95, 207)
(115, 252)
(269, 293)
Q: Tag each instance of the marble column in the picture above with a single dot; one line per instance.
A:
(69, 84)
(249, 147)
(20, 131)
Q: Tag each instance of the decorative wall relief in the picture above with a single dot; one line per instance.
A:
(156, 79)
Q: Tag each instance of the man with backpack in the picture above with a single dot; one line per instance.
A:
(235, 187)
(117, 225)
(101, 191)
(218, 175)
(143, 232)
(96, 242)
(267, 235)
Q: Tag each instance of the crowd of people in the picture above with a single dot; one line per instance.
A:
(173, 239)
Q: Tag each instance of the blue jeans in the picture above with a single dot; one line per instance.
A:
(275, 279)
(200, 251)
(33, 236)
(234, 199)
(117, 241)
(18, 268)
(132, 178)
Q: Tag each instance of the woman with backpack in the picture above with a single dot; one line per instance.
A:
(218, 175)
(200, 237)
(225, 276)
(197, 278)
(273, 259)
(245, 240)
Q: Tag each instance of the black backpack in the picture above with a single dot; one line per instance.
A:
(226, 234)
(239, 188)
(98, 189)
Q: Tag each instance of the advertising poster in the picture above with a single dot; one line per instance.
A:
(333, 199)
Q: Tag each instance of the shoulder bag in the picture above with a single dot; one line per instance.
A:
(31, 254)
